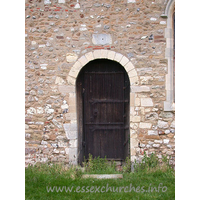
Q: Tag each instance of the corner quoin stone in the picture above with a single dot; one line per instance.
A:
(146, 102)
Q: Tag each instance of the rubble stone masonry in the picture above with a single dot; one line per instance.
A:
(61, 37)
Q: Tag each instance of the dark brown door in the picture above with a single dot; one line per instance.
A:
(105, 105)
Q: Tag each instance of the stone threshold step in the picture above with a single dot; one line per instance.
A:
(103, 176)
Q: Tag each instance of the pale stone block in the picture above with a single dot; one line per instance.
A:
(111, 55)
(70, 130)
(71, 80)
(156, 145)
(130, 1)
(72, 95)
(62, 144)
(83, 29)
(72, 103)
(146, 102)
(152, 132)
(61, 1)
(101, 39)
(77, 6)
(73, 72)
(132, 73)
(43, 66)
(134, 80)
(133, 157)
(59, 81)
(71, 57)
(64, 89)
(133, 134)
(163, 22)
(134, 126)
(89, 56)
(118, 57)
(166, 141)
(147, 110)
(42, 45)
(132, 111)
(129, 66)
(70, 116)
(172, 124)
(124, 60)
(162, 124)
(134, 142)
(132, 99)
(97, 54)
(64, 106)
(33, 43)
(48, 109)
(140, 89)
(153, 19)
(104, 53)
(135, 118)
(145, 125)
(142, 111)
(31, 111)
(40, 110)
(77, 65)
(167, 131)
(73, 143)
(67, 151)
(47, 2)
(72, 108)
(73, 156)
(158, 141)
(137, 101)
(83, 60)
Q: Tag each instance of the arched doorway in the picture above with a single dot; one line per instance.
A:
(103, 107)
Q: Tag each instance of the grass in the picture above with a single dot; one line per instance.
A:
(142, 184)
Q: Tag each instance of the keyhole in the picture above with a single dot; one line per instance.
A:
(95, 112)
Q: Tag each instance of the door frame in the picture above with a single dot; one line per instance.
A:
(73, 115)
(81, 111)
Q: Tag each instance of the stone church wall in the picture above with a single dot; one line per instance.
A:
(61, 36)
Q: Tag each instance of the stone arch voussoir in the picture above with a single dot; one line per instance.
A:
(103, 54)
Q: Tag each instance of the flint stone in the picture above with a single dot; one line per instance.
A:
(57, 124)
(130, 1)
(162, 124)
(156, 145)
(47, 2)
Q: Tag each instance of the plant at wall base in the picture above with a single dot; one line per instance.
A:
(152, 163)
(127, 165)
(99, 165)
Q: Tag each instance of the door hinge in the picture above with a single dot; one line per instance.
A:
(83, 143)
(83, 90)
(125, 142)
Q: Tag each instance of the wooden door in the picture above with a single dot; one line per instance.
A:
(105, 101)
